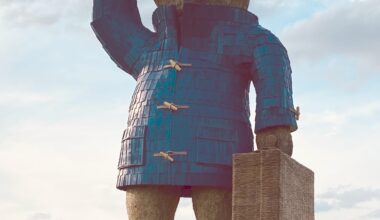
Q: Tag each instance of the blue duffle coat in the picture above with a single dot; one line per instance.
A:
(190, 110)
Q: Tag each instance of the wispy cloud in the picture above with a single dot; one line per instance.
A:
(25, 13)
(336, 119)
(40, 216)
(373, 215)
(331, 118)
(271, 7)
(20, 98)
(348, 29)
(28, 13)
(344, 198)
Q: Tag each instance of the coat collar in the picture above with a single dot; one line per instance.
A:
(167, 19)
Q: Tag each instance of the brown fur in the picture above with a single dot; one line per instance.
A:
(276, 137)
(160, 202)
(210, 203)
(152, 202)
(232, 3)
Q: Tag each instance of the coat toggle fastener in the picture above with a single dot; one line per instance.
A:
(169, 155)
(176, 65)
(172, 106)
(297, 112)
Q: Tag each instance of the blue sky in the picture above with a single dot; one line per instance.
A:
(64, 104)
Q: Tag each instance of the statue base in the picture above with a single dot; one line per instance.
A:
(269, 185)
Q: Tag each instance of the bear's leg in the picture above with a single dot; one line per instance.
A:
(152, 202)
(212, 203)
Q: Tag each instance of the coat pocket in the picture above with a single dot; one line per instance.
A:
(132, 147)
(215, 145)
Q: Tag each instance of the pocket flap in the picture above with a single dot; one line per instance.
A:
(132, 147)
(215, 145)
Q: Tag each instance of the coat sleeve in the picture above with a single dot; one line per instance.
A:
(271, 74)
(118, 26)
